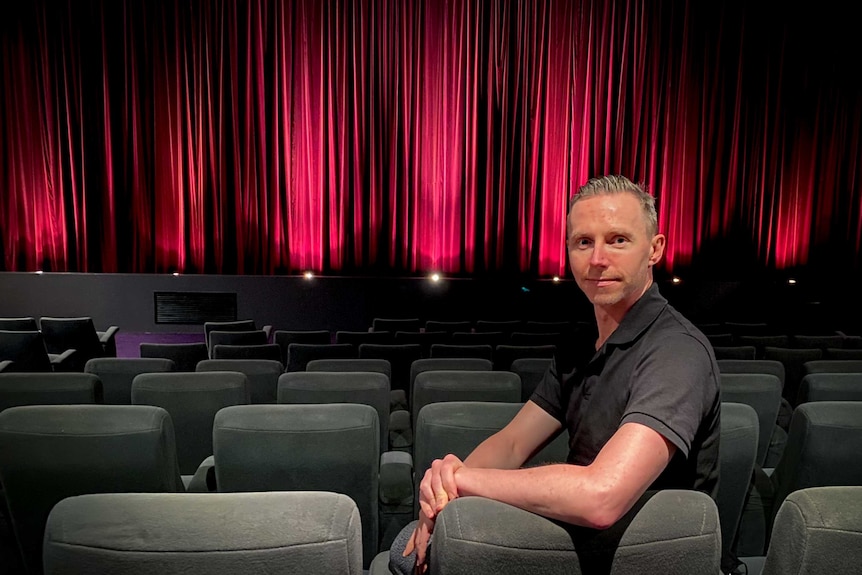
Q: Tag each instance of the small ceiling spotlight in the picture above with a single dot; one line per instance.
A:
(308, 275)
(435, 277)
(676, 280)
(38, 272)
(176, 274)
(556, 279)
(791, 281)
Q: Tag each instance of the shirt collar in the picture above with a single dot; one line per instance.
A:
(639, 317)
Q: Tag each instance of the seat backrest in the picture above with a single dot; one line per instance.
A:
(841, 353)
(239, 325)
(78, 333)
(262, 375)
(192, 400)
(672, 531)
(760, 342)
(184, 355)
(308, 532)
(769, 366)
(339, 365)
(400, 357)
(286, 337)
(817, 341)
(234, 337)
(531, 370)
(832, 366)
(504, 326)
(536, 338)
(449, 327)
(345, 387)
(793, 360)
(357, 338)
(269, 351)
(763, 393)
(452, 385)
(50, 452)
(18, 324)
(823, 447)
(817, 530)
(443, 350)
(492, 338)
(831, 387)
(504, 355)
(334, 447)
(720, 339)
(737, 454)
(117, 373)
(26, 349)
(426, 339)
(737, 352)
(447, 364)
(299, 354)
(48, 389)
(396, 324)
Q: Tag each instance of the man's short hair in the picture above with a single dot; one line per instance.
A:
(606, 185)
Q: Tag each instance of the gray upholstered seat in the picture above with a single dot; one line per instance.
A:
(823, 447)
(504, 355)
(735, 352)
(817, 530)
(284, 338)
(737, 453)
(49, 389)
(831, 387)
(445, 350)
(302, 387)
(351, 364)
(78, 333)
(763, 393)
(48, 453)
(531, 370)
(179, 534)
(117, 373)
(674, 532)
(447, 364)
(27, 353)
(184, 355)
(299, 354)
(436, 386)
(238, 325)
(334, 447)
(262, 375)
(268, 351)
(192, 400)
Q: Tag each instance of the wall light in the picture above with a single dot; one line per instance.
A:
(676, 280)
(38, 272)
(176, 274)
(435, 277)
(791, 281)
(556, 279)
(308, 275)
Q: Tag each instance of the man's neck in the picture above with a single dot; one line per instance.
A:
(609, 318)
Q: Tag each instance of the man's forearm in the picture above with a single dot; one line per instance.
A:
(565, 492)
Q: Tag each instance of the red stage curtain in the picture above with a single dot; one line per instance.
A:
(378, 136)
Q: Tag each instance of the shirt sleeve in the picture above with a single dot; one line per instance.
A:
(549, 394)
(673, 387)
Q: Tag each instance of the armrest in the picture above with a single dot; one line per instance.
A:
(267, 329)
(108, 335)
(400, 430)
(6, 365)
(109, 343)
(63, 361)
(396, 479)
(203, 481)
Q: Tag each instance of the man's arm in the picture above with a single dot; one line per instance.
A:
(595, 496)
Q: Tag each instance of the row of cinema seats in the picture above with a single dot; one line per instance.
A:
(188, 535)
(336, 448)
(52, 343)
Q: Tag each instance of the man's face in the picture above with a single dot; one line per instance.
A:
(611, 251)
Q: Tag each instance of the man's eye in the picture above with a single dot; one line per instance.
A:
(619, 240)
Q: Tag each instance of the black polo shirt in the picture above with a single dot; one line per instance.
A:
(656, 369)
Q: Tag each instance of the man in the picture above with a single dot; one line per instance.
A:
(642, 412)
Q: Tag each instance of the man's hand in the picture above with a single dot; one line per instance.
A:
(437, 489)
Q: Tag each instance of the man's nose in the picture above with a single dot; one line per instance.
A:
(598, 257)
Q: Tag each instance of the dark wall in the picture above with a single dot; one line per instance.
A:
(127, 300)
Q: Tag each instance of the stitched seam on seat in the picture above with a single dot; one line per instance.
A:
(195, 551)
(293, 431)
(627, 546)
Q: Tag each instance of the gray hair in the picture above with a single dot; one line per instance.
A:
(606, 185)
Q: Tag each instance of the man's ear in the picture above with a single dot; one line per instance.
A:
(657, 249)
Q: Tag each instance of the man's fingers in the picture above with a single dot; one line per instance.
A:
(441, 495)
(447, 476)
(423, 535)
(427, 509)
(411, 544)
